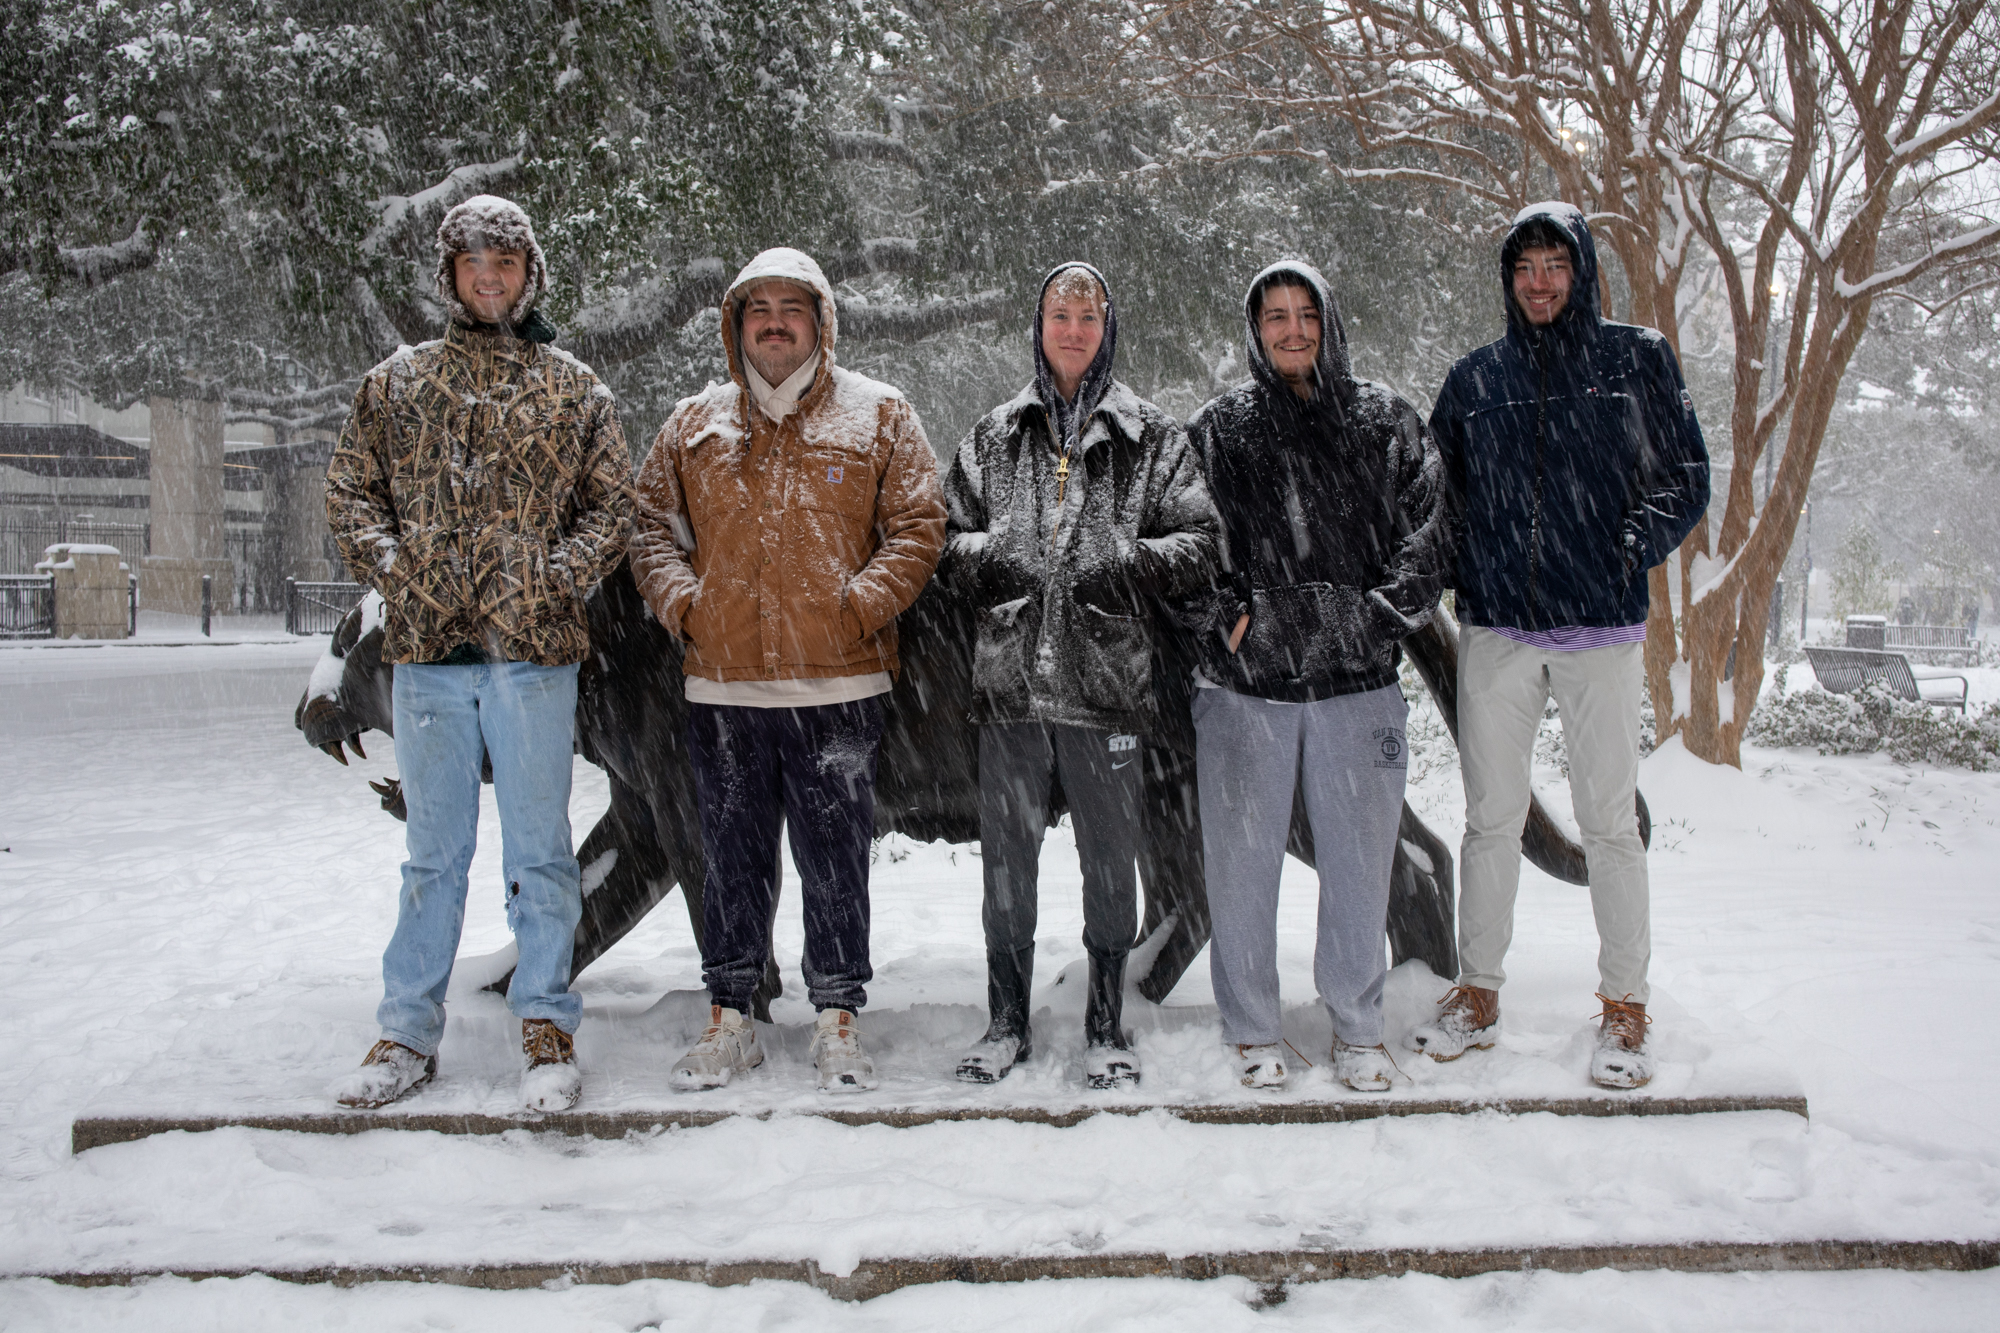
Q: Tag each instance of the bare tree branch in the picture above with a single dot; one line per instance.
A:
(907, 323)
(870, 146)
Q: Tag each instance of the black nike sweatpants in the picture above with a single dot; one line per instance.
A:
(1020, 767)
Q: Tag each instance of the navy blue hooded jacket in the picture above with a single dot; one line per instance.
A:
(1334, 519)
(1573, 455)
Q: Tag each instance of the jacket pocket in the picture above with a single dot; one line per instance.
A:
(518, 594)
(1305, 632)
(1114, 659)
(1003, 655)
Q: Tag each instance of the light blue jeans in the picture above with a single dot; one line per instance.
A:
(524, 716)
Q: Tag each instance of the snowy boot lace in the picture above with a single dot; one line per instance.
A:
(389, 1070)
(1468, 1020)
(551, 1082)
(1621, 1059)
(837, 1054)
(727, 1047)
(1363, 1068)
(1261, 1066)
(992, 1056)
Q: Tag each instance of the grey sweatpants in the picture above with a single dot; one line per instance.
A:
(1502, 689)
(1348, 758)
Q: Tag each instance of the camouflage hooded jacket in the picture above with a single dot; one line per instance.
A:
(482, 486)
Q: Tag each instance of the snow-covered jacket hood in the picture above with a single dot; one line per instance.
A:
(1096, 382)
(787, 265)
(488, 222)
(1333, 367)
(1581, 315)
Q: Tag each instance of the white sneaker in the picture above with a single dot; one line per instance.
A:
(837, 1053)
(1262, 1066)
(1621, 1059)
(990, 1058)
(728, 1046)
(551, 1082)
(1108, 1067)
(389, 1070)
(1363, 1068)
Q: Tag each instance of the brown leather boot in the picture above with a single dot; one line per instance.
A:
(1469, 1020)
(551, 1081)
(1621, 1059)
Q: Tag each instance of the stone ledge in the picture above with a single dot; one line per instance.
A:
(1275, 1270)
(97, 1131)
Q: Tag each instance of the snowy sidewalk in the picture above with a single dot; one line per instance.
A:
(200, 901)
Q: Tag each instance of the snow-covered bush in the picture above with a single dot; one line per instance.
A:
(1874, 719)
(1919, 734)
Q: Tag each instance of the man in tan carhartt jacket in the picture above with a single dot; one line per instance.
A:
(785, 519)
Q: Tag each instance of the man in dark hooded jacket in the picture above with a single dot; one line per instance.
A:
(1576, 465)
(1070, 511)
(1334, 548)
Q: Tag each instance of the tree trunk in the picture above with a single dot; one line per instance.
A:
(1726, 601)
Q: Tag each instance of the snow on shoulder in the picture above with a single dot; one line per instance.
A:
(402, 357)
(571, 360)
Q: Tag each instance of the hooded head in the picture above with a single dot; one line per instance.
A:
(488, 222)
(785, 265)
(1331, 367)
(1069, 415)
(1545, 224)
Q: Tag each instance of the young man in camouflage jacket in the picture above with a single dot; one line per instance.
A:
(481, 486)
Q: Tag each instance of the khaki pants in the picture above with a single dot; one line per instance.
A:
(1503, 687)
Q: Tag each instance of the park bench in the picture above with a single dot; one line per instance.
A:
(1845, 670)
(1949, 645)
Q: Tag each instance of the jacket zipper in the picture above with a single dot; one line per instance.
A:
(1535, 517)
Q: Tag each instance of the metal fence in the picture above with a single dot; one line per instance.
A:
(22, 540)
(258, 586)
(27, 606)
(318, 608)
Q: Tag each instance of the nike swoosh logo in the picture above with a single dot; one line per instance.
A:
(1126, 764)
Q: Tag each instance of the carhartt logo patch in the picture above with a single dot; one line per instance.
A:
(836, 475)
(1395, 753)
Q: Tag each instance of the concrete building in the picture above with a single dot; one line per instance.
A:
(178, 490)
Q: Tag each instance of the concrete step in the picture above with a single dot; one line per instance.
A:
(1275, 1270)
(96, 1131)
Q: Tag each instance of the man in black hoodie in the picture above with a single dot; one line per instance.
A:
(1576, 465)
(1070, 510)
(1334, 548)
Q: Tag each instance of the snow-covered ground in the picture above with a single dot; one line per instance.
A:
(194, 903)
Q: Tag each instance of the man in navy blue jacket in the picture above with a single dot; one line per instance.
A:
(1575, 465)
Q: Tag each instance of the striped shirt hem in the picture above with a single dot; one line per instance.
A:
(1574, 638)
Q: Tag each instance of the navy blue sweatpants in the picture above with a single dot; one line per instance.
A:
(813, 770)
